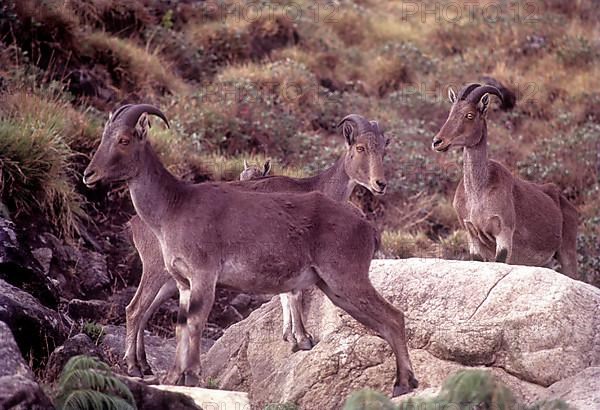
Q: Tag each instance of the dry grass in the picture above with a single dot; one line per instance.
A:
(402, 245)
(36, 176)
(136, 68)
(275, 87)
(228, 168)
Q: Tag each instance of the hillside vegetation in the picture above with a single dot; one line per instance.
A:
(272, 79)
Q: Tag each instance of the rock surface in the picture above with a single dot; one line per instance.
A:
(35, 327)
(88, 309)
(80, 272)
(150, 398)
(80, 344)
(532, 327)
(18, 388)
(209, 399)
(160, 351)
(581, 391)
(20, 268)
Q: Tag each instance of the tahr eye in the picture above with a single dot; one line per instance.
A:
(360, 148)
(124, 141)
(470, 116)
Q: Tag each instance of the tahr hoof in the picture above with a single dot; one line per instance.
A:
(306, 344)
(173, 379)
(399, 390)
(414, 383)
(191, 380)
(147, 371)
(134, 371)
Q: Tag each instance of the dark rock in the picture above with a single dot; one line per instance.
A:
(80, 344)
(37, 329)
(149, 398)
(160, 351)
(81, 273)
(241, 302)
(88, 309)
(19, 267)
(18, 389)
(92, 271)
(44, 257)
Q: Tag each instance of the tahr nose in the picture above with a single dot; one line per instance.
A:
(436, 142)
(87, 174)
(381, 184)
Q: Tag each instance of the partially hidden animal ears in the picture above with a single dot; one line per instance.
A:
(451, 95)
(266, 168)
(483, 104)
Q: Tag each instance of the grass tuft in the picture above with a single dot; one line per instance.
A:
(36, 174)
(134, 67)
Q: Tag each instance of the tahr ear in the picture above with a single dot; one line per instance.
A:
(451, 95)
(348, 131)
(267, 168)
(483, 104)
(141, 129)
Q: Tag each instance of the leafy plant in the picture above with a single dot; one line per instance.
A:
(469, 389)
(87, 383)
(93, 330)
(367, 399)
(212, 383)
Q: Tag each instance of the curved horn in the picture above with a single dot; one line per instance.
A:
(476, 95)
(130, 115)
(361, 122)
(467, 89)
(119, 111)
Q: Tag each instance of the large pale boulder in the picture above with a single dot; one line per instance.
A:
(531, 326)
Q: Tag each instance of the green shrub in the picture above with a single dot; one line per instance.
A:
(577, 52)
(588, 250)
(88, 384)
(470, 389)
(368, 400)
(567, 159)
(93, 330)
(35, 161)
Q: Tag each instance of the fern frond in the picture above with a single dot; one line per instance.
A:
(94, 380)
(94, 400)
(83, 362)
(87, 383)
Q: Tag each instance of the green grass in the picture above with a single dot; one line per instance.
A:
(276, 87)
(35, 163)
(464, 390)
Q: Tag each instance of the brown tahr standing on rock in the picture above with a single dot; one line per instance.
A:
(362, 164)
(298, 240)
(507, 218)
